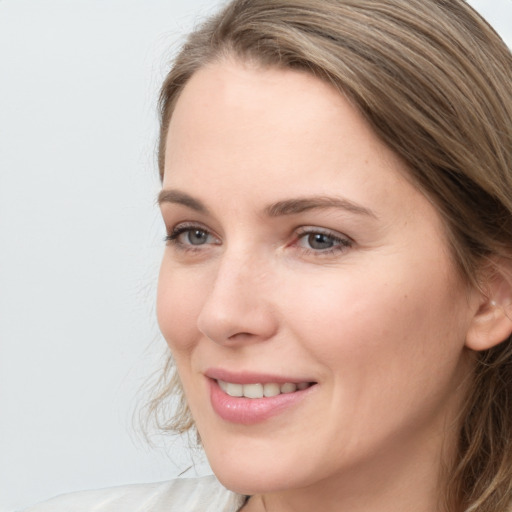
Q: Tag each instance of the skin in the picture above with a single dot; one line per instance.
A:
(379, 320)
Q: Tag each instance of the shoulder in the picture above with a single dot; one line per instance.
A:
(204, 494)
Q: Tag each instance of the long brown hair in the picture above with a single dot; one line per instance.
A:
(434, 81)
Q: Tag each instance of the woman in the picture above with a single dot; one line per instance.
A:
(336, 288)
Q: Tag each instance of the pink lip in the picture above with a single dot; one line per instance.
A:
(248, 411)
(250, 377)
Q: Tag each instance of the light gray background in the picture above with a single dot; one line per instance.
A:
(80, 237)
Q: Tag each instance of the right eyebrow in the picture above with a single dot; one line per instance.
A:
(178, 197)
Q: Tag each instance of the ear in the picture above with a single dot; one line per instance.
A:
(492, 322)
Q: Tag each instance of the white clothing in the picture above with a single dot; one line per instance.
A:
(204, 494)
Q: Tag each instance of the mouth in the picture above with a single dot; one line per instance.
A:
(261, 390)
(251, 398)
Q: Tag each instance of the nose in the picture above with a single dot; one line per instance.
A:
(237, 308)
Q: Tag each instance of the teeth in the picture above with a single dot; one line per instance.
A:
(289, 387)
(271, 389)
(234, 389)
(260, 390)
(253, 390)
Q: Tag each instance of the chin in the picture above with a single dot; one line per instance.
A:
(255, 469)
(249, 480)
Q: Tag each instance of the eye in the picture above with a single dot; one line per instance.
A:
(191, 236)
(322, 241)
(319, 241)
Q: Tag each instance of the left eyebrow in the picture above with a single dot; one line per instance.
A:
(300, 205)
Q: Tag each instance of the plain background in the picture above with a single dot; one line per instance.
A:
(80, 238)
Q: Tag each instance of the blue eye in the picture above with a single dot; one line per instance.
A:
(190, 236)
(318, 241)
(195, 236)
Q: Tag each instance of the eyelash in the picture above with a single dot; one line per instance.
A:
(342, 243)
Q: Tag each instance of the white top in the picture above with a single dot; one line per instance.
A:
(204, 494)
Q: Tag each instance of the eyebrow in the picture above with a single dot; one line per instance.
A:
(278, 209)
(177, 197)
(299, 205)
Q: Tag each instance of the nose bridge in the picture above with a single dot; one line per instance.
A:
(237, 306)
(238, 268)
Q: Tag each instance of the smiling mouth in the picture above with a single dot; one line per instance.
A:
(261, 390)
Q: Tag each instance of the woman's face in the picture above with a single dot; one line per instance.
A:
(303, 265)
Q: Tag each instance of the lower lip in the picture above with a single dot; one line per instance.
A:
(248, 411)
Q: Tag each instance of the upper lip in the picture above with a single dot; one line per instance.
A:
(251, 377)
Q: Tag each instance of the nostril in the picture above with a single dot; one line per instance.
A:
(238, 335)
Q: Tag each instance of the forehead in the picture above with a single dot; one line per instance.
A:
(260, 114)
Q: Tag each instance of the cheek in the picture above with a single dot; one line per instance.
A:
(371, 325)
(390, 352)
(178, 305)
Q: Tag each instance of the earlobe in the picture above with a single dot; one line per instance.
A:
(492, 322)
